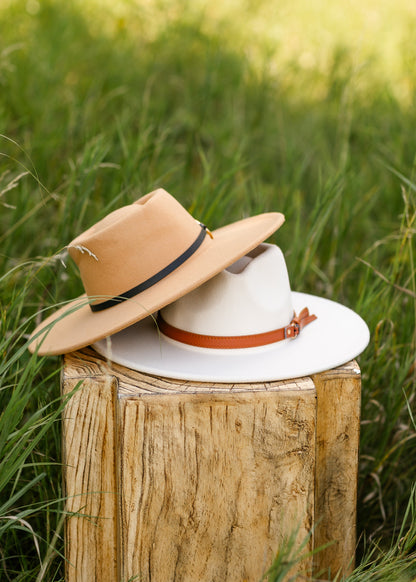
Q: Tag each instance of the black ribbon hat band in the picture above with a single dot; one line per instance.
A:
(157, 277)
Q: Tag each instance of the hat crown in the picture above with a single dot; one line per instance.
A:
(107, 254)
(251, 296)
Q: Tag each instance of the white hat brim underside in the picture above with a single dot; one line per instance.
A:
(337, 336)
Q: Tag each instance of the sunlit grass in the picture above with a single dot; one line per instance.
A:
(297, 37)
(235, 108)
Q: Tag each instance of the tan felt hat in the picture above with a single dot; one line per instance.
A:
(139, 259)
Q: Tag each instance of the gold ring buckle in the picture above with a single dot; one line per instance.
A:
(292, 330)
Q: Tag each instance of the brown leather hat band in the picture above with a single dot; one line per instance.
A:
(241, 341)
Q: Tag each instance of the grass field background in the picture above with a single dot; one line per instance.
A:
(235, 108)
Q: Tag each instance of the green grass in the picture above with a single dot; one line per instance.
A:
(236, 108)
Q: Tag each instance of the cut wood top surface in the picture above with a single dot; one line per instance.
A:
(87, 362)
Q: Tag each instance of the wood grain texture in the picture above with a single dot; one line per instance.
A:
(90, 478)
(209, 477)
(210, 484)
(337, 445)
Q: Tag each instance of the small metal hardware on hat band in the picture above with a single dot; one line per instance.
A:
(158, 276)
(202, 225)
(290, 331)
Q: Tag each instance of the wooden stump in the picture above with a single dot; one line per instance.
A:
(337, 444)
(183, 482)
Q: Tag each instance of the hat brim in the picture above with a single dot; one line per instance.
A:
(74, 325)
(334, 338)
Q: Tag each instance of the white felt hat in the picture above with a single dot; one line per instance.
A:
(200, 336)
